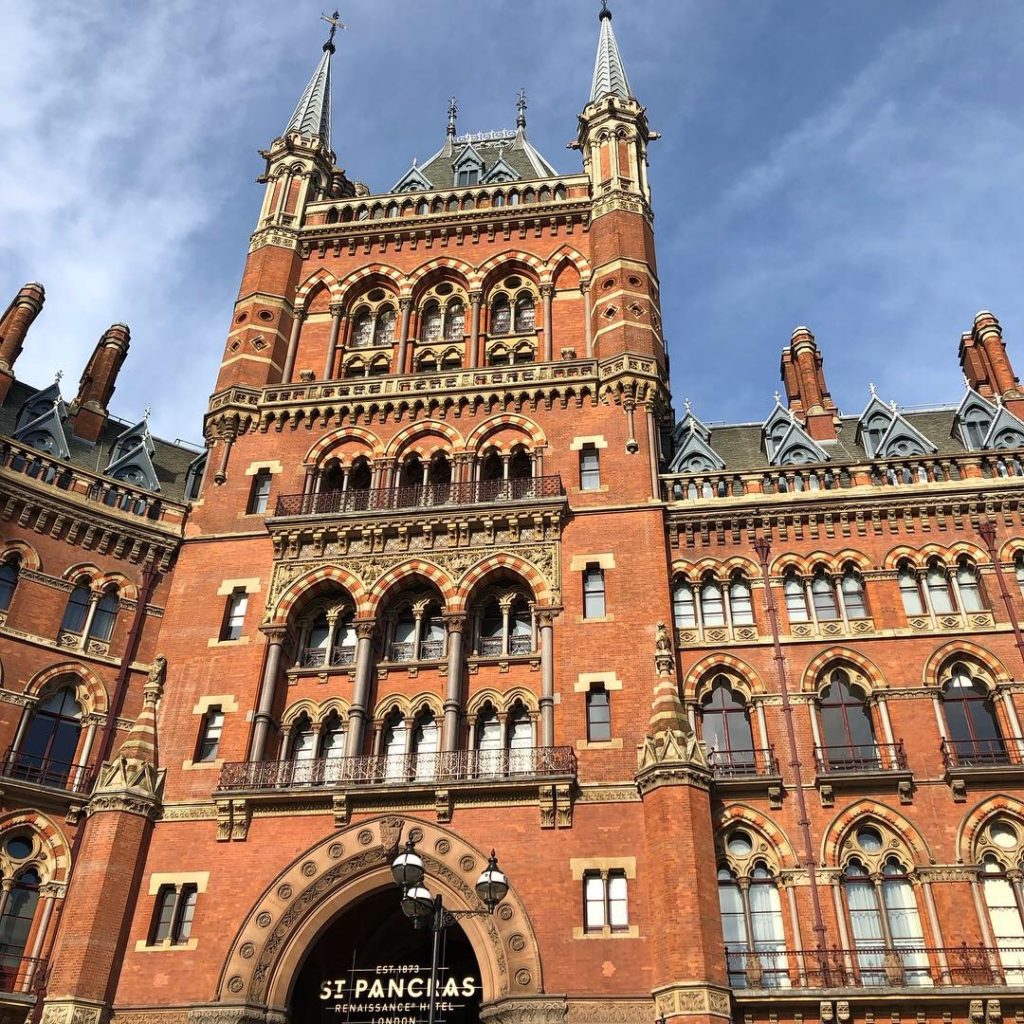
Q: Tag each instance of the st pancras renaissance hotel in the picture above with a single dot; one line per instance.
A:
(457, 679)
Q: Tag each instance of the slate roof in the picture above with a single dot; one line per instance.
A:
(170, 460)
(609, 71)
(312, 114)
(741, 446)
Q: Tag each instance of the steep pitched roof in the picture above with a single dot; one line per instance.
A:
(693, 452)
(132, 458)
(609, 71)
(312, 114)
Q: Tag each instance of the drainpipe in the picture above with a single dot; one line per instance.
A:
(987, 532)
(762, 545)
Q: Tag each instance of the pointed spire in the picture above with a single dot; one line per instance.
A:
(453, 113)
(312, 115)
(521, 110)
(140, 743)
(609, 71)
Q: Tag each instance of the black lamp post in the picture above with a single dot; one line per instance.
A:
(428, 911)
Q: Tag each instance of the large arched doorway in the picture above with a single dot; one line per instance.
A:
(371, 966)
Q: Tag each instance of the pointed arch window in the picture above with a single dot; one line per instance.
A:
(501, 315)
(975, 424)
(851, 589)
(1018, 571)
(19, 911)
(525, 314)
(712, 603)
(520, 741)
(104, 617)
(824, 596)
(940, 596)
(425, 745)
(684, 607)
(974, 736)
(796, 599)
(969, 586)
(753, 929)
(332, 738)
(77, 610)
(1003, 903)
(488, 742)
(395, 730)
(848, 733)
(384, 327)
(874, 432)
(362, 330)
(46, 754)
(741, 605)
(9, 574)
(302, 748)
(725, 729)
(433, 322)
(910, 590)
(455, 320)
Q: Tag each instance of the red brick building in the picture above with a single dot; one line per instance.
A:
(737, 706)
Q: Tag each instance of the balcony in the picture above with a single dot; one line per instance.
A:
(316, 657)
(492, 646)
(906, 967)
(430, 496)
(456, 766)
(863, 765)
(738, 771)
(18, 974)
(63, 776)
(995, 760)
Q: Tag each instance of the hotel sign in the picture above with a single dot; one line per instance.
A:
(395, 994)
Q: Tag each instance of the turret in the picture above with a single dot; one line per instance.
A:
(89, 410)
(803, 375)
(14, 325)
(986, 365)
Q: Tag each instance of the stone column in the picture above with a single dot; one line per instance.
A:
(293, 346)
(89, 616)
(588, 327)
(405, 305)
(268, 686)
(337, 316)
(547, 292)
(475, 297)
(365, 629)
(456, 624)
(546, 621)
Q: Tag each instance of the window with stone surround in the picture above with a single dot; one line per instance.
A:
(209, 734)
(605, 901)
(173, 914)
(234, 614)
(594, 605)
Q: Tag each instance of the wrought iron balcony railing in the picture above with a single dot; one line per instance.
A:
(391, 499)
(998, 752)
(316, 657)
(492, 646)
(448, 766)
(851, 759)
(17, 972)
(876, 967)
(743, 764)
(45, 771)
(429, 650)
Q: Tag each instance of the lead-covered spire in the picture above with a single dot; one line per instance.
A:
(609, 71)
(312, 115)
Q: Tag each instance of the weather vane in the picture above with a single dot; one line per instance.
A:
(146, 412)
(58, 377)
(873, 390)
(332, 20)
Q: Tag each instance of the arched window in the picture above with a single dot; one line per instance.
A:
(433, 322)
(741, 606)
(886, 927)
(874, 431)
(974, 737)
(520, 627)
(394, 746)
(9, 573)
(725, 729)
(16, 923)
(968, 585)
(712, 602)
(77, 610)
(362, 330)
(525, 314)
(848, 735)
(824, 596)
(501, 315)
(520, 741)
(520, 465)
(1018, 570)
(796, 600)
(939, 593)
(488, 742)
(302, 749)
(492, 625)
(851, 587)
(104, 617)
(455, 320)
(380, 366)
(315, 653)
(975, 425)
(1004, 914)
(425, 744)
(384, 328)
(332, 738)
(47, 751)
(910, 590)
(684, 608)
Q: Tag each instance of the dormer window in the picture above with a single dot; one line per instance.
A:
(975, 425)
(874, 431)
(468, 176)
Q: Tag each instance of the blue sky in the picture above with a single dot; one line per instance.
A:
(856, 167)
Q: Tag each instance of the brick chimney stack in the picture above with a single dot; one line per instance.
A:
(986, 365)
(803, 374)
(89, 409)
(14, 325)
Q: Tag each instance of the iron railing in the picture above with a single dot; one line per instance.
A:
(316, 657)
(429, 650)
(19, 973)
(493, 647)
(851, 758)
(389, 499)
(876, 967)
(742, 764)
(991, 753)
(447, 766)
(45, 771)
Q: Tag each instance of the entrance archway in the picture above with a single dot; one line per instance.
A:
(370, 964)
(350, 866)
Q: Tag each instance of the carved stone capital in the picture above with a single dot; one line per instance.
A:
(337, 309)
(365, 628)
(404, 303)
(540, 1010)
(74, 1011)
(301, 314)
(275, 634)
(684, 999)
(456, 622)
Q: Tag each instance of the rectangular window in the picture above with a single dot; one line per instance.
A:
(172, 917)
(234, 615)
(590, 468)
(599, 715)
(605, 903)
(209, 737)
(593, 592)
(260, 494)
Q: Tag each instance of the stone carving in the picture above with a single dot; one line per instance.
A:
(608, 1012)
(544, 1010)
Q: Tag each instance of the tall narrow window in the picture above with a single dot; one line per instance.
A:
(1018, 569)
(741, 606)
(796, 601)
(104, 617)
(590, 468)
(209, 734)
(172, 916)
(520, 741)
(394, 746)
(47, 752)
(852, 588)
(425, 740)
(848, 733)
(712, 603)
(234, 615)
(974, 733)
(260, 493)
(501, 315)
(684, 607)
(593, 592)
(725, 729)
(599, 715)
(969, 587)
(939, 593)
(77, 610)
(524, 314)
(1005, 917)
(16, 920)
(488, 742)
(753, 929)
(605, 901)
(910, 590)
(9, 572)
(824, 596)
